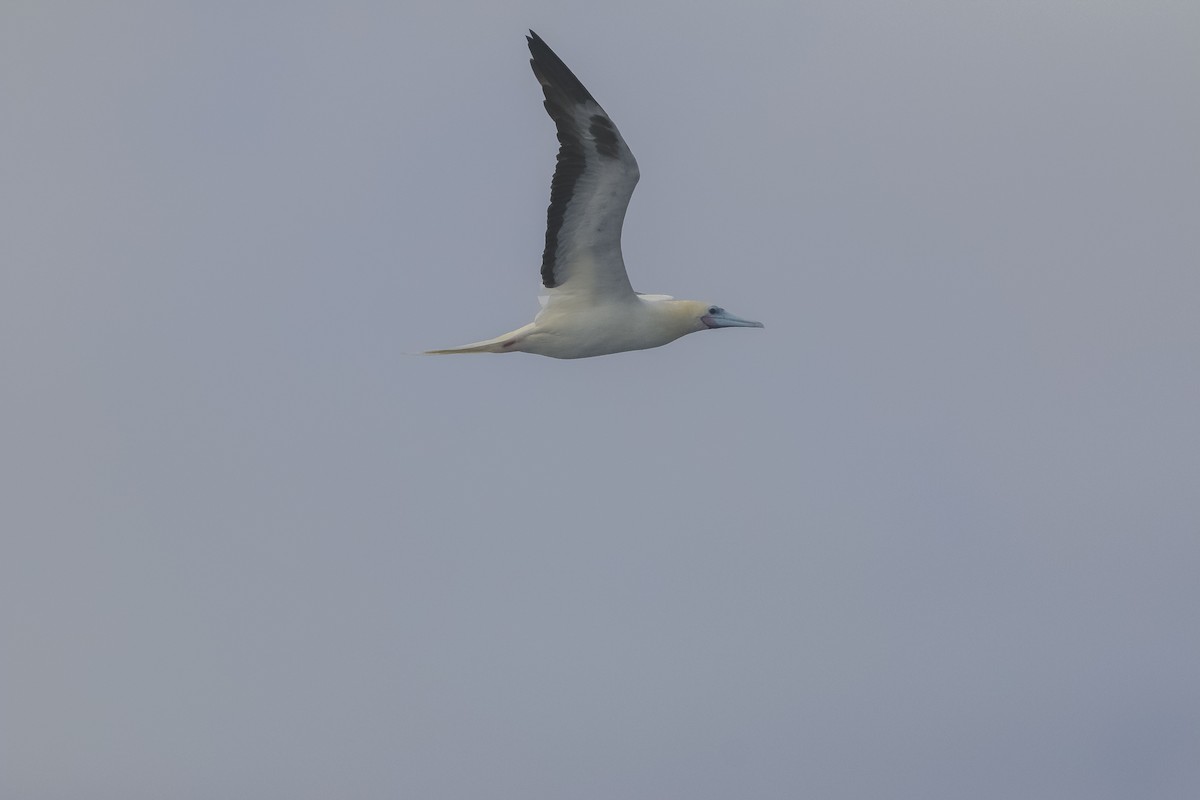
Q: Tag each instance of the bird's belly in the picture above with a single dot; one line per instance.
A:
(585, 335)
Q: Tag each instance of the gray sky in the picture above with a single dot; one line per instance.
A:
(934, 533)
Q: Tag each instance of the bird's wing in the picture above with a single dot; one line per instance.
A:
(592, 184)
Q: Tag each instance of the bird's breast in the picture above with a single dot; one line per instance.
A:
(567, 330)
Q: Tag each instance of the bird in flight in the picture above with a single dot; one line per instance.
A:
(590, 308)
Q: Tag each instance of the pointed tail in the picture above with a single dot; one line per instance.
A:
(501, 344)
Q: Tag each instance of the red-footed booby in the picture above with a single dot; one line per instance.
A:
(590, 308)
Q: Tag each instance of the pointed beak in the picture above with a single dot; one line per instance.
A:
(727, 320)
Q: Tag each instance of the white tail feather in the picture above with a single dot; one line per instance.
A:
(501, 344)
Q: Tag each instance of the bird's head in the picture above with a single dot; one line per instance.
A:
(712, 316)
(689, 316)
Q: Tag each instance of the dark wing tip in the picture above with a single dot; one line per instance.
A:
(552, 73)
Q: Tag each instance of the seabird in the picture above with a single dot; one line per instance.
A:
(590, 308)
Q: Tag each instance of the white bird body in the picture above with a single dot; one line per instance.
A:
(573, 328)
(591, 308)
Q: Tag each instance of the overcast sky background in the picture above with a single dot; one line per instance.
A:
(934, 532)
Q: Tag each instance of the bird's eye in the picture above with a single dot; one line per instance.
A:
(714, 309)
